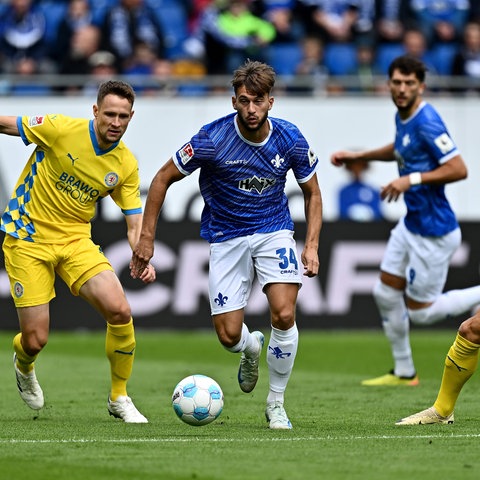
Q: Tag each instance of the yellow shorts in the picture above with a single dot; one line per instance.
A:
(31, 267)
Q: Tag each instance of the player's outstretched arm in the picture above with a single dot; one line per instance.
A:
(134, 226)
(143, 250)
(8, 126)
(342, 157)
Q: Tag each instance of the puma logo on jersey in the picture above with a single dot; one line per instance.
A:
(70, 156)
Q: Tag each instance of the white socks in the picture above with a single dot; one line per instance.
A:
(449, 304)
(281, 353)
(247, 343)
(395, 322)
(282, 350)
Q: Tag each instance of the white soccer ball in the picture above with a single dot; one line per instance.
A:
(197, 400)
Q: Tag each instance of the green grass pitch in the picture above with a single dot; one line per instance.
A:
(341, 430)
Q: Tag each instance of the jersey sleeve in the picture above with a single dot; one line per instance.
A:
(42, 130)
(437, 140)
(127, 194)
(305, 161)
(195, 153)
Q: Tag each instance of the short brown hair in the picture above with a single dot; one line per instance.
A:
(257, 77)
(115, 87)
(407, 64)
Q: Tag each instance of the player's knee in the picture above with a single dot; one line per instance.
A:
(385, 296)
(470, 329)
(284, 319)
(228, 341)
(228, 338)
(420, 316)
(33, 343)
(121, 314)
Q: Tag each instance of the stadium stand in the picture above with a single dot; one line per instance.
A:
(284, 57)
(176, 17)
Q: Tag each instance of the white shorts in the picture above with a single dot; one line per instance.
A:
(272, 257)
(422, 261)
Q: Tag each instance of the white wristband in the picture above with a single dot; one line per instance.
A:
(415, 178)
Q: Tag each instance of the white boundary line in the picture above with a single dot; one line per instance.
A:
(234, 440)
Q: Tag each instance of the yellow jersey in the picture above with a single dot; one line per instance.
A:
(55, 197)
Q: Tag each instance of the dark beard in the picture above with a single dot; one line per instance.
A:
(407, 108)
(253, 129)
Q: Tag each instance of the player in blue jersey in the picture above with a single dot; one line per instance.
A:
(47, 224)
(243, 159)
(416, 261)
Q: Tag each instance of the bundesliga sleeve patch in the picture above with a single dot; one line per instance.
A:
(186, 153)
(444, 143)
(312, 157)
(35, 121)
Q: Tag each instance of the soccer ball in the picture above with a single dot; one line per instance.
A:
(197, 400)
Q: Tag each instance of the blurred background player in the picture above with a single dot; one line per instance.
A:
(357, 200)
(47, 224)
(416, 261)
(244, 160)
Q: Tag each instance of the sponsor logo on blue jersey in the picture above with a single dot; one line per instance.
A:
(255, 183)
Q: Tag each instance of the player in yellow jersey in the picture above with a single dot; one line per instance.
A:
(48, 231)
(460, 364)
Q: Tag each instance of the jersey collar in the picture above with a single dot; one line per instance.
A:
(248, 141)
(95, 144)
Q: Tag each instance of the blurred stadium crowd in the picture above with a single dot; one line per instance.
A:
(174, 46)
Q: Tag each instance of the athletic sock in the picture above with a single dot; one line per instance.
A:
(25, 362)
(449, 304)
(395, 323)
(282, 350)
(247, 344)
(120, 350)
(460, 364)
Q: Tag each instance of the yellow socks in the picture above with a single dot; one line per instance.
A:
(24, 361)
(460, 364)
(120, 349)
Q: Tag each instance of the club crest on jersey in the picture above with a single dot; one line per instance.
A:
(35, 120)
(18, 289)
(277, 161)
(312, 157)
(111, 179)
(186, 153)
(406, 140)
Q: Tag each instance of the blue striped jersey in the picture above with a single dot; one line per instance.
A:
(422, 143)
(243, 183)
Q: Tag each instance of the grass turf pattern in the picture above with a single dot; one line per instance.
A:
(342, 430)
